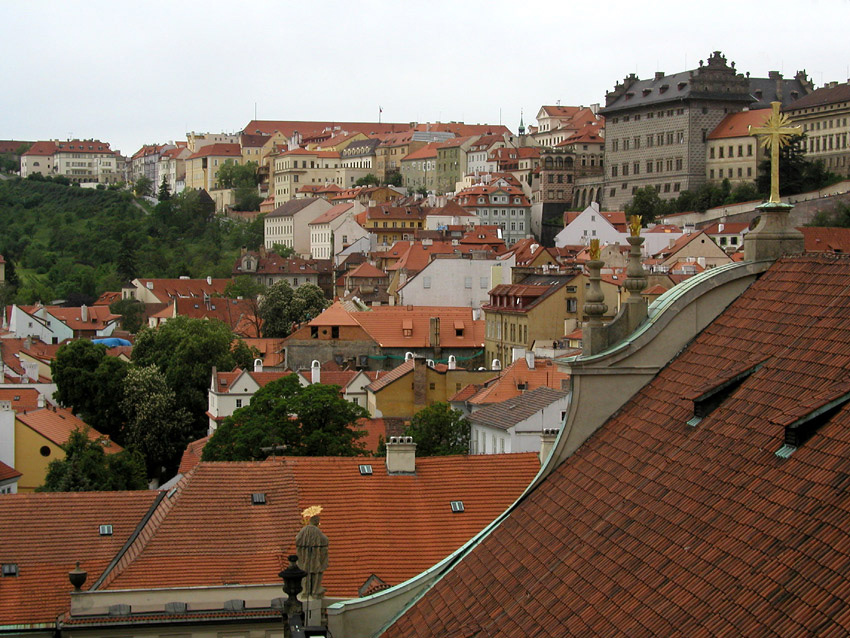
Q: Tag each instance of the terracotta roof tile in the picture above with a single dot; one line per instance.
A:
(7, 472)
(506, 385)
(380, 524)
(57, 424)
(22, 399)
(510, 412)
(46, 533)
(653, 527)
(824, 239)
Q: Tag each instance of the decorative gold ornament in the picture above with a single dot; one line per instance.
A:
(310, 512)
(594, 249)
(634, 225)
(776, 133)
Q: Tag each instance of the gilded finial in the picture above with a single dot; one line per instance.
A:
(594, 249)
(775, 133)
(634, 225)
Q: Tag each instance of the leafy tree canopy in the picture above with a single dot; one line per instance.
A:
(287, 418)
(156, 427)
(86, 467)
(143, 187)
(185, 351)
(439, 430)
(281, 307)
(368, 180)
(244, 286)
(132, 313)
(233, 175)
(796, 173)
(838, 217)
(91, 383)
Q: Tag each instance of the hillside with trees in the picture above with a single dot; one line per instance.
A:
(66, 242)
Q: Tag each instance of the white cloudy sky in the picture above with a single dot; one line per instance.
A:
(132, 73)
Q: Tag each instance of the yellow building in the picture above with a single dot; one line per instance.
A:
(416, 384)
(732, 153)
(202, 166)
(38, 439)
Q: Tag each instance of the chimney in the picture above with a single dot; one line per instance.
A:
(315, 372)
(420, 383)
(529, 359)
(452, 362)
(659, 75)
(40, 400)
(258, 365)
(720, 227)
(517, 354)
(84, 313)
(547, 441)
(209, 280)
(401, 455)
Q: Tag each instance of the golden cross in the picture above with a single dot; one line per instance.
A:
(775, 133)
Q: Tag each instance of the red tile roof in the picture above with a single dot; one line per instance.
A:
(332, 213)
(7, 473)
(217, 150)
(824, 239)
(426, 152)
(656, 528)
(508, 383)
(57, 424)
(367, 270)
(737, 124)
(166, 289)
(380, 524)
(192, 455)
(44, 534)
(22, 399)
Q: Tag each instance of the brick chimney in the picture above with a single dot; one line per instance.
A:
(401, 455)
(547, 441)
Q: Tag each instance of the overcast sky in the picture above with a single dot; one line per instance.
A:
(146, 72)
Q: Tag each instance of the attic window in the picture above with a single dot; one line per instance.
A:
(365, 470)
(682, 85)
(457, 507)
(706, 401)
(646, 92)
(802, 422)
(10, 569)
(258, 498)
(106, 530)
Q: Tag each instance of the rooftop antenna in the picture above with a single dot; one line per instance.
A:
(255, 110)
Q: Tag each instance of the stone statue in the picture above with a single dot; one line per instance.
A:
(311, 545)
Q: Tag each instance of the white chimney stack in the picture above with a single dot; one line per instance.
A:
(258, 365)
(529, 359)
(401, 455)
(315, 372)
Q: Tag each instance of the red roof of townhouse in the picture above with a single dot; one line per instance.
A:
(506, 385)
(41, 149)
(22, 399)
(148, 149)
(332, 213)
(366, 270)
(217, 150)
(57, 424)
(378, 524)
(426, 152)
(271, 350)
(43, 534)
(192, 455)
(289, 127)
(240, 315)
(92, 318)
(7, 473)
(273, 264)
(662, 528)
(824, 239)
(225, 382)
(388, 212)
(737, 124)
(167, 289)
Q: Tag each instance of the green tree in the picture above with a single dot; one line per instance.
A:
(86, 467)
(164, 193)
(648, 204)
(142, 187)
(244, 286)
(185, 351)
(368, 180)
(90, 382)
(394, 179)
(246, 198)
(132, 313)
(439, 430)
(125, 264)
(233, 175)
(281, 307)
(283, 251)
(156, 427)
(837, 217)
(286, 418)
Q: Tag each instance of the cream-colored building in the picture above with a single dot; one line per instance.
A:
(732, 153)
(203, 165)
(288, 224)
(299, 167)
(825, 118)
(335, 230)
(78, 160)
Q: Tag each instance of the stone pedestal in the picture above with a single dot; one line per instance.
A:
(774, 236)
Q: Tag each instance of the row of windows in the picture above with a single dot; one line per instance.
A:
(825, 143)
(816, 126)
(729, 173)
(676, 187)
(731, 151)
(653, 139)
(670, 164)
(649, 116)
